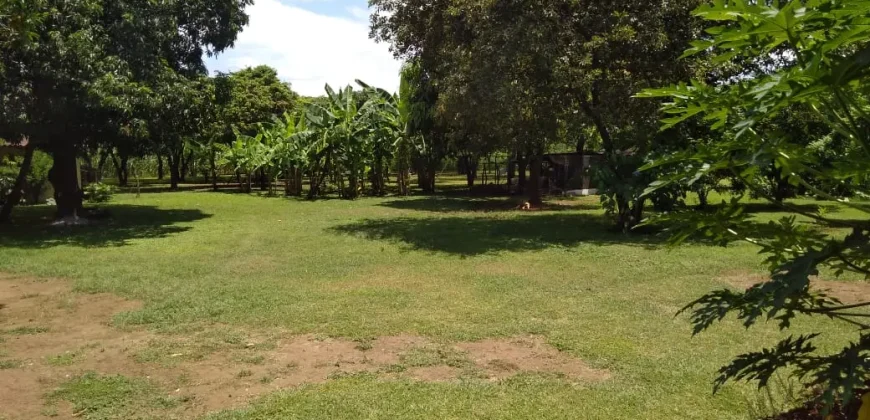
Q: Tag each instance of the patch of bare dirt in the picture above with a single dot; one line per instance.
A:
(502, 358)
(848, 292)
(40, 320)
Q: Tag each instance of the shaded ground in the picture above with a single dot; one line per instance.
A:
(119, 225)
(813, 410)
(55, 339)
(483, 235)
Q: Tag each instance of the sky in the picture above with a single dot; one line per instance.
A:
(311, 43)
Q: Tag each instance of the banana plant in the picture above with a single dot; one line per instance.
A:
(293, 151)
(343, 134)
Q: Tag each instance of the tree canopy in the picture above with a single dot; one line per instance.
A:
(65, 61)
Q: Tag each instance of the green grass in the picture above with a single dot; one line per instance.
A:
(96, 396)
(448, 268)
(65, 359)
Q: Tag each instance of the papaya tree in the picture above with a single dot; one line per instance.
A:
(822, 50)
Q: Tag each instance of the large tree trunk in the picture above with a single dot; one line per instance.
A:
(581, 144)
(160, 174)
(781, 187)
(65, 179)
(14, 197)
(522, 163)
(185, 166)
(121, 168)
(174, 161)
(427, 169)
(469, 166)
(534, 189)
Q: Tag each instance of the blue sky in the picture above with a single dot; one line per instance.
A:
(311, 43)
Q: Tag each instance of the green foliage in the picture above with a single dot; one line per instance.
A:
(36, 180)
(116, 57)
(252, 96)
(99, 192)
(821, 51)
(345, 137)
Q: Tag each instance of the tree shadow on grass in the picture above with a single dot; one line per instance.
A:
(449, 204)
(31, 227)
(768, 207)
(470, 236)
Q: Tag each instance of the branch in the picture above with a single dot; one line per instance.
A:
(789, 207)
(852, 265)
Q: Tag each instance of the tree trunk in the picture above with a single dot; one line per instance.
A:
(263, 179)
(312, 187)
(64, 178)
(213, 164)
(297, 182)
(702, 198)
(121, 171)
(471, 164)
(352, 184)
(101, 165)
(14, 197)
(124, 170)
(289, 179)
(160, 174)
(781, 187)
(534, 189)
(91, 172)
(185, 165)
(511, 174)
(174, 161)
(522, 163)
(427, 168)
(581, 144)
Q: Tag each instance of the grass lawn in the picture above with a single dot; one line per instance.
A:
(448, 269)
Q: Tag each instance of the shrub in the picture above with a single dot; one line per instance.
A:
(99, 192)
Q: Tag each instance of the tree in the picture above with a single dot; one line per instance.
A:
(823, 49)
(105, 48)
(180, 109)
(510, 74)
(252, 96)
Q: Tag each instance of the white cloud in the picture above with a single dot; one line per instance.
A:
(359, 13)
(310, 49)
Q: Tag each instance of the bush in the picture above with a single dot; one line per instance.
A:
(99, 192)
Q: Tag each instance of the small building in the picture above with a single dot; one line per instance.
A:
(571, 173)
